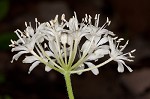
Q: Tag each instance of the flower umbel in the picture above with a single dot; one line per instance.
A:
(70, 47)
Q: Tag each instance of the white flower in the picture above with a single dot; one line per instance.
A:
(35, 62)
(26, 42)
(94, 47)
(24, 45)
(118, 55)
(69, 46)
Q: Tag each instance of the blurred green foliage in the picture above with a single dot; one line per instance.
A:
(4, 7)
(5, 97)
(2, 78)
(5, 40)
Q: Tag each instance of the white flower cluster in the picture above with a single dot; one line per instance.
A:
(70, 45)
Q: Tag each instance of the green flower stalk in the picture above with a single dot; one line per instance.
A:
(58, 46)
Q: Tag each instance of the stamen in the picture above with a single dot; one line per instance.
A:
(107, 23)
(19, 37)
(39, 23)
(63, 18)
(26, 34)
(26, 24)
(118, 41)
(121, 39)
(118, 44)
(82, 20)
(75, 15)
(124, 45)
(97, 21)
(30, 24)
(56, 19)
(86, 17)
(20, 32)
(95, 17)
(45, 45)
(52, 24)
(12, 41)
(115, 37)
(131, 55)
(133, 51)
(89, 20)
(11, 45)
(36, 21)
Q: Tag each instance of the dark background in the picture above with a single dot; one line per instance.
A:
(130, 20)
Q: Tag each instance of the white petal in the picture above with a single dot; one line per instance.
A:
(95, 71)
(96, 39)
(111, 33)
(33, 66)
(49, 53)
(85, 29)
(101, 51)
(47, 32)
(70, 24)
(16, 56)
(47, 68)
(130, 70)
(102, 41)
(49, 38)
(63, 38)
(104, 47)
(75, 21)
(52, 46)
(41, 26)
(30, 59)
(111, 44)
(120, 67)
(19, 48)
(38, 37)
(41, 39)
(92, 57)
(88, 37)
(85, 46)
(100, 32)
(70, 40)
(122, 57)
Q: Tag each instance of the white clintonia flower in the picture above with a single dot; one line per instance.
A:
(69, 45)
(118, 55)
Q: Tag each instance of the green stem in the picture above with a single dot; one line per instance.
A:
(68, 85)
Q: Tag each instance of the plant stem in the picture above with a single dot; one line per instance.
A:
(68, 84)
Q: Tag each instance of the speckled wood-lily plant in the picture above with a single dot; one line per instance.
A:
(70, 47)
